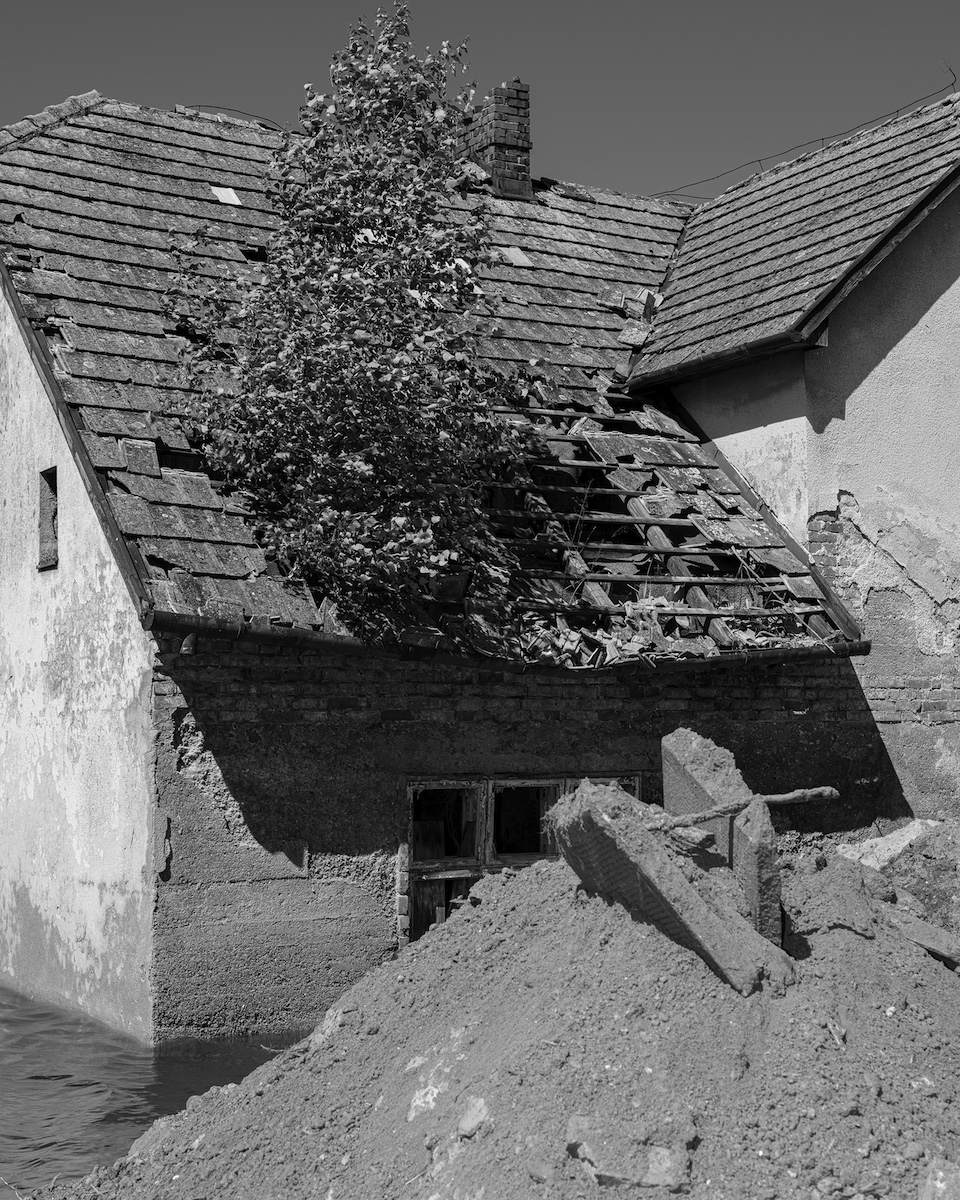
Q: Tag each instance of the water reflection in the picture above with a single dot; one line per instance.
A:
(74, 1095)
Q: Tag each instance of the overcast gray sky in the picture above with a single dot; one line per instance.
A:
(637, 95)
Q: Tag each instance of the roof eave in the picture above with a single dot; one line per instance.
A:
(710, 364)
(876, 252)
(802, 335)
(160, 621)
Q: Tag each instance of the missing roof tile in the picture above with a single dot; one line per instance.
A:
(225, 195)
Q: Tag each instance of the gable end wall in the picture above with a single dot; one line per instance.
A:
(856, 446)
(76, 741)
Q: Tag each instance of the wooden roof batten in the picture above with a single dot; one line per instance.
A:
(626, 500)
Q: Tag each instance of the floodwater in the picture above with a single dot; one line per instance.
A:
(74, 1095)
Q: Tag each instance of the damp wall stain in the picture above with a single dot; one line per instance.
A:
(76, 740)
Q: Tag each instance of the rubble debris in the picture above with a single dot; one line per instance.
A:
(612, 842)
(551, 1004)
(611, 1155)
(879, 851)
(925, 877)
(702, 785)
(933, 938)
(755, 865)
(942, 1181)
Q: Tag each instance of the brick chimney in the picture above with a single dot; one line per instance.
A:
(497, 138)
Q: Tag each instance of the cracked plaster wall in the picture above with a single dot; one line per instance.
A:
(76, 742)
(869, 424)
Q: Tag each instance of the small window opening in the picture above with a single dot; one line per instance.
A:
(444, 824)
(461, 830)
(48, 520)
(517, 816)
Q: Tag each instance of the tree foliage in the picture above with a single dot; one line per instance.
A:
(336, 388)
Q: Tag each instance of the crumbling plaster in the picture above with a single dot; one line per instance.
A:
(869, 422)
(76, 742)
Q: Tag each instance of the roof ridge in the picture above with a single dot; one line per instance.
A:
(53, 114)
(183, 110)
(787, 164)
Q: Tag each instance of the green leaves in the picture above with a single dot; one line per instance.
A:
(336, 386)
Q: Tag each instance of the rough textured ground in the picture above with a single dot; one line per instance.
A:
(544, 1044)
(926, 873)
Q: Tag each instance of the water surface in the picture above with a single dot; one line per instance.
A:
(74, 1095)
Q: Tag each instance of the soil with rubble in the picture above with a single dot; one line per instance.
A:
(542, 1043)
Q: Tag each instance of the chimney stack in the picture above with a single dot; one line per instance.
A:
(497, 138)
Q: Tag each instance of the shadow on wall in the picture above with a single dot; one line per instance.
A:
(883, 310)
(260, 771)
(805, 751)
(289, 786)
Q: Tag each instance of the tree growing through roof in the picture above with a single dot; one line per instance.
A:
(336, 388)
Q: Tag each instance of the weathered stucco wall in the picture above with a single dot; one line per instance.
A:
(757, 417)
(884, 449)
(282, 793)
(76, 747)
(870, 426)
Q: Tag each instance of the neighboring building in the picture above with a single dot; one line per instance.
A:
(810, 327)
(216, 811)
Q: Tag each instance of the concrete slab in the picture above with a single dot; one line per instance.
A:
(697, 775)
(602, 834)
(757, 869)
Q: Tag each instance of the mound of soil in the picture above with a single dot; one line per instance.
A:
(542, 1043)
(927, 872)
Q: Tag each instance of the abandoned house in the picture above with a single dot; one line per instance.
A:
(217, 810)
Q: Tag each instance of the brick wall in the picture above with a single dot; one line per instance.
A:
(497, 138)
(282, 792)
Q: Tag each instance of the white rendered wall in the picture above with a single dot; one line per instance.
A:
(756, 415)
(76, 746)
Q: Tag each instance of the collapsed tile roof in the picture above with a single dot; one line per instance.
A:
(635, 545)
(761, 266)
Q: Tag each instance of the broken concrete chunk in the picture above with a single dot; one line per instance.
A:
(602, 834)
(475, 1118)
(697, 775)
(933, 938)
(668, 1167)
(878, 885)
(878, 852)
(942, 1181)
(612, 1157)
(757, 868)
(832, 898)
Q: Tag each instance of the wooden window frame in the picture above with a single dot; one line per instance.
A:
(488, 860)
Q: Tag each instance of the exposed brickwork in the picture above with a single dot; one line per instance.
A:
(283, 776)
(498, 139)
(927, 695)
(911, 679)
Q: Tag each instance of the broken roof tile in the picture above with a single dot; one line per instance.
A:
(91, 196)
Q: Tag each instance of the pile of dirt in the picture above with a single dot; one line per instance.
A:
(542, 1043)
(925, 876)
